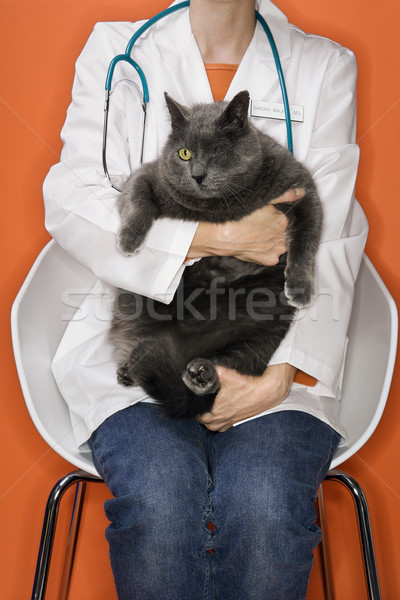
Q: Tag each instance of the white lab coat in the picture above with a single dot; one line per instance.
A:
(81, 205)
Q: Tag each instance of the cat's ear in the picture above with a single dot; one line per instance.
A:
(178, 112)
(237, 110)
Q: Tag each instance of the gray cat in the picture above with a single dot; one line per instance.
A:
(215, 167)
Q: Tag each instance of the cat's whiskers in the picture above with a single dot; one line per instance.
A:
(236, 186)
(225, 201)
(234, 193)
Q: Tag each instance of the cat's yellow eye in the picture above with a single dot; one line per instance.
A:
(185, 154)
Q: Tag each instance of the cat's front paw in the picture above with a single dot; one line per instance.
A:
(129, 241)
(299, 293)
(201, 377)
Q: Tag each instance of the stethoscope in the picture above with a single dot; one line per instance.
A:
(144, 92)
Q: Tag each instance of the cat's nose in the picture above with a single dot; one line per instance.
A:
(198, 178)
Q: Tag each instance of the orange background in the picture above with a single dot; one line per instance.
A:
(40, 41)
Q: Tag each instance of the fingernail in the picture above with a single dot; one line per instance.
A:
(299, 192)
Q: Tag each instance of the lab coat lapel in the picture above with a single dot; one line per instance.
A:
(257, 72)
(181, 57)
(254, 74)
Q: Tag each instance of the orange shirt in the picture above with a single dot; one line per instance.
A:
(220, 77)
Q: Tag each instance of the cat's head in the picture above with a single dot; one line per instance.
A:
(213, 152)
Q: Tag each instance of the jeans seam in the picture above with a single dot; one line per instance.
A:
(216, 526)
(214, 473)
(208, 510)
(328, 460)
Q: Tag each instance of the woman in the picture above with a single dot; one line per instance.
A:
(257, 481)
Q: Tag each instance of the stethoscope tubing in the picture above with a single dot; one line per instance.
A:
(126, 57)
(281, 78)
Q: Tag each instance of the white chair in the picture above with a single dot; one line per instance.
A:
(40, 315)
(368, 374)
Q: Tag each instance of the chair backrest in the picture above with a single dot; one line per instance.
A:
(41, 311)
(43, 308)
(370, 358)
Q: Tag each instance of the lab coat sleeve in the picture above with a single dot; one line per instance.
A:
(316, 342)
(81, 212)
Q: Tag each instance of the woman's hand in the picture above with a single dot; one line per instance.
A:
(258, 237)
(242, 397)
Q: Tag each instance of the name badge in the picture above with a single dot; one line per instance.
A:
(274, 110)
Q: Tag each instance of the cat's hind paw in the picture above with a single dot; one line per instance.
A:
(201, 377)
(123, 376)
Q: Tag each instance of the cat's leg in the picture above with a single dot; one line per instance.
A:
(138, 212)
(123, 334)
(143, 365)
(302, 240)
(249, 358)
(123, 375)
(299, 283)
(155, 369)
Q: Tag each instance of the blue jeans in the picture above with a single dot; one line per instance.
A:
(256, 483)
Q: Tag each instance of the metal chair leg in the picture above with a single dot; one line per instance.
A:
(323, 548)
(364, 523)
(72, 540)
(49, 527)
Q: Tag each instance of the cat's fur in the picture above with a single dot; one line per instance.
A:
(225, 311)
